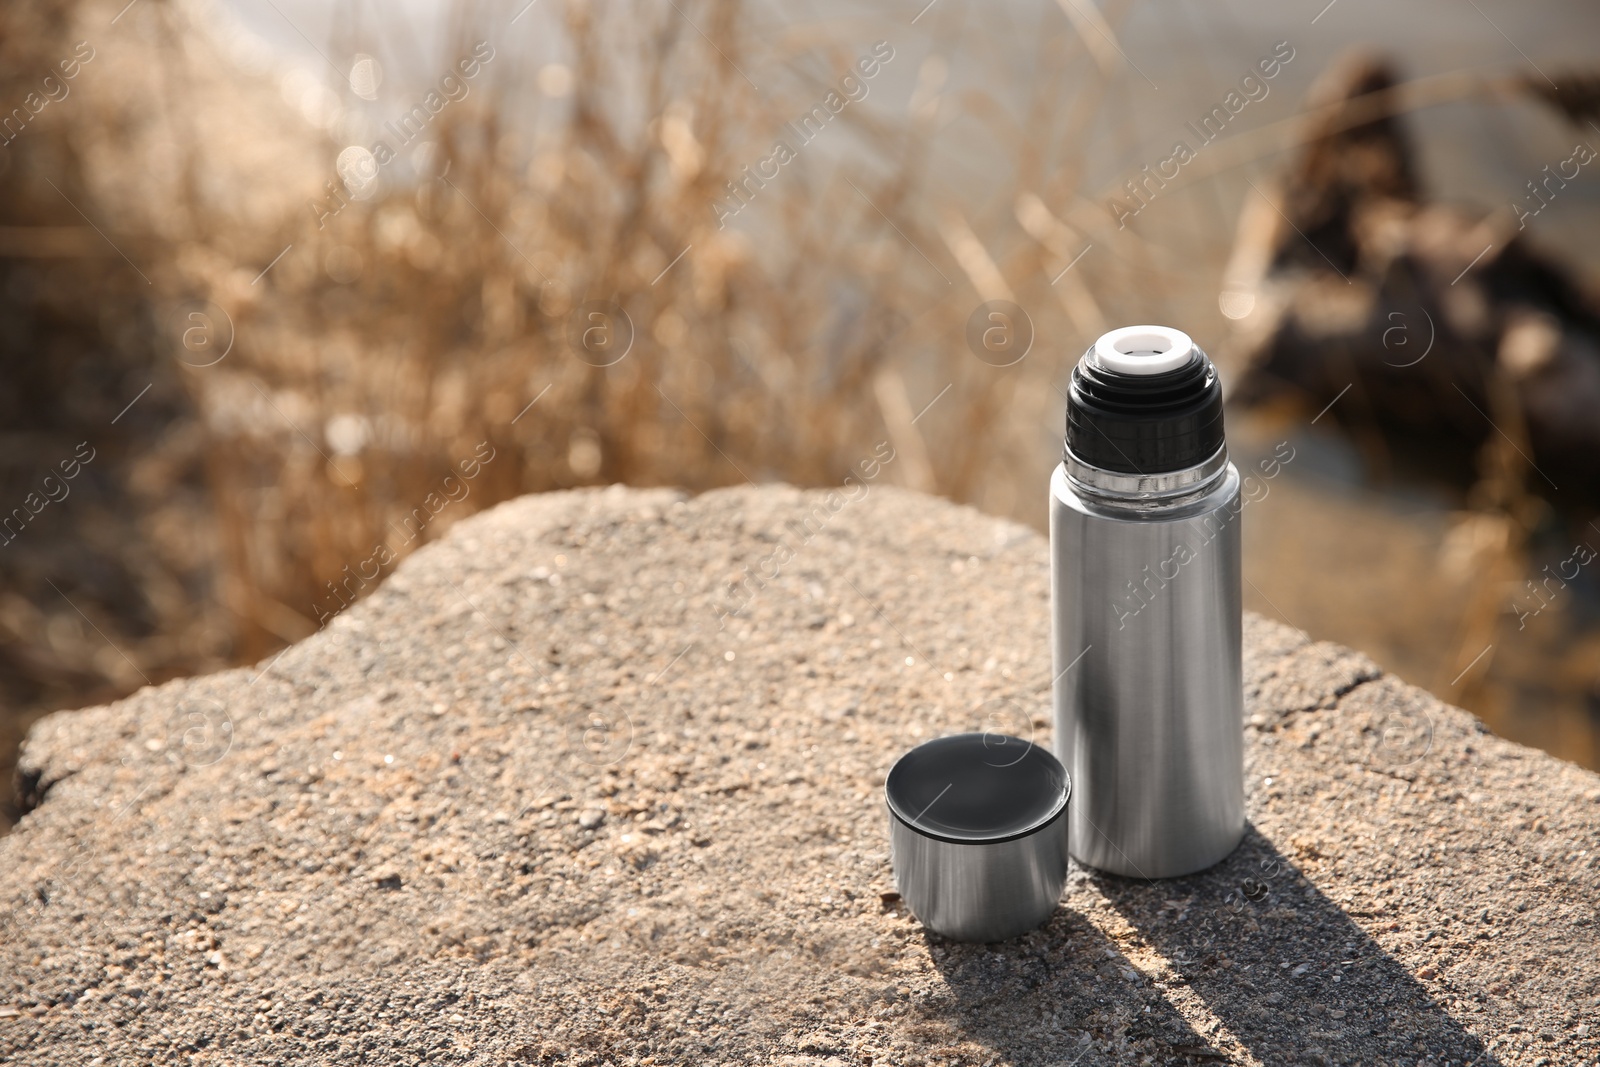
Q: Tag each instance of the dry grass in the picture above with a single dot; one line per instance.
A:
(398, 335)
(426, 317)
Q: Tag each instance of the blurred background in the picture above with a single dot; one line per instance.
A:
(288, 287)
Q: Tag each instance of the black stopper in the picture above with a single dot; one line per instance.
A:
(1144, 423)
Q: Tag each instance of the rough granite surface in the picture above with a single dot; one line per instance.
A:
(544, 798)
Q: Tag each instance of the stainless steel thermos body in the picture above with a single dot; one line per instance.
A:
(1146, 610)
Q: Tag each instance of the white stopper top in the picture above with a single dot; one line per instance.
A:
(1143, 349)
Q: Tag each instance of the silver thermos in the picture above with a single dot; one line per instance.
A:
(1146, 609)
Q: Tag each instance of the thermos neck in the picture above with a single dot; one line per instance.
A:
(1144, 414)
(1167, 489)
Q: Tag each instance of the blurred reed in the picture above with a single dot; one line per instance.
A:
(377, 341)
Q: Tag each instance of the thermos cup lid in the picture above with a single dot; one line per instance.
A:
(978, 834)
(979, 787)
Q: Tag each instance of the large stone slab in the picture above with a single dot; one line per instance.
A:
(554, 794)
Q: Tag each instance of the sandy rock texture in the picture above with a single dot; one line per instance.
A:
(556, 795)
